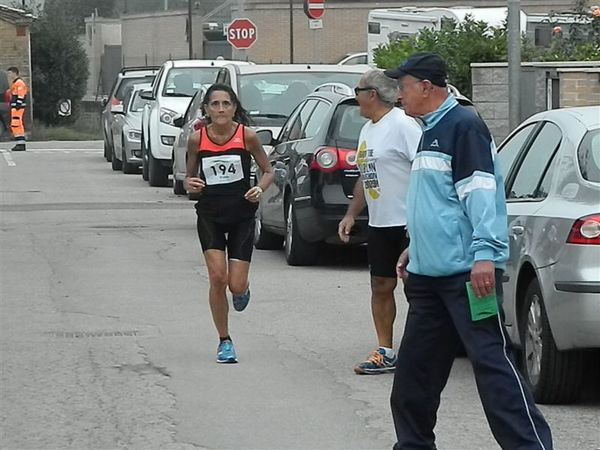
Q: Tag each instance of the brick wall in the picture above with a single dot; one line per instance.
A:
(580, 88)
(14, 50)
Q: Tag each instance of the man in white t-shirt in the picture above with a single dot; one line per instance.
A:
(386, 148)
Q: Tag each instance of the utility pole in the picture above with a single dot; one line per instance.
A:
(190, 40)
(166, 5)
(241, 53)
(514, 63)
(291, 32)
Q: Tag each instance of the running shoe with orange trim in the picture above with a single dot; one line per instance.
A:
(376, 363)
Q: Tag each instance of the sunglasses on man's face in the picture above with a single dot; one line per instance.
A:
(358, 90)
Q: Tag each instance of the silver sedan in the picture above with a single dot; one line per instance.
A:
(551, 167)
(126, 131)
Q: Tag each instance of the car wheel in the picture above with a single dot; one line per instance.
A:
(144, 160)
(114, 162)
(298, 252)
(178, 188)
(106, 150)
(127, 166)
(263, 239)
(554, 376)
(157, 175)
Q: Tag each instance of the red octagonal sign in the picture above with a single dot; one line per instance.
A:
(241, 33)
(314, 9)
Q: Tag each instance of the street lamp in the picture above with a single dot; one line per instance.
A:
(190, 43)
(291, 32)
(514, 63)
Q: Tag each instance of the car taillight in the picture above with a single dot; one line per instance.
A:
(585, 231)
(329, 159)
(115, 101)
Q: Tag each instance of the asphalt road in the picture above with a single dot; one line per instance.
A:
(107, 340)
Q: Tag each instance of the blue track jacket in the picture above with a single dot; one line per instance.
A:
(456, 205)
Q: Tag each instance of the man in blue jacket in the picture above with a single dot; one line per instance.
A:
(456, 219)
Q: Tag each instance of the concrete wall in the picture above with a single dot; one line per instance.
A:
(578, 84)
(152, 39)
(99, 32)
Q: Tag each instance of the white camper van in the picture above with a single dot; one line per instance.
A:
(396, 23)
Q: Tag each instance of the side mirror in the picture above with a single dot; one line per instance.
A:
(178, 121)
(117, 109)
(265, 137)
(147, 95)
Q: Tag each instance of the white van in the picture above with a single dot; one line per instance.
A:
(397, 23)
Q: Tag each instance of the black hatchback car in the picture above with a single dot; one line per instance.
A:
(314, 162)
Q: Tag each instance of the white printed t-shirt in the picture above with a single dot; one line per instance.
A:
(385, 153)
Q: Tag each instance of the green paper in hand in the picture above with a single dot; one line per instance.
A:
(481, 307)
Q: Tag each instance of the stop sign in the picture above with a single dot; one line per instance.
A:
(241, 33)
(314, 9)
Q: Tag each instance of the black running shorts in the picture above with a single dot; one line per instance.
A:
(385, 245)
(237, 237)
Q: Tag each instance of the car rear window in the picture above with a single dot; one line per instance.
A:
(274, 95)
(589, 156)
(128, 82)
(185, 81)
(347, 123)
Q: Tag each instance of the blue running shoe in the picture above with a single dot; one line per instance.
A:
(376, 363)
(226, 353)
(241, 301)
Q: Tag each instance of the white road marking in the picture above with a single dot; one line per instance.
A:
(8, 158)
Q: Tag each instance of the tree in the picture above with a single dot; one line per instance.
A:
(59, 63)
(459, 44)
(470, 42)
(580, 41)
(75, 11)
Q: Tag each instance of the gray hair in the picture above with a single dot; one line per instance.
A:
(387, 88)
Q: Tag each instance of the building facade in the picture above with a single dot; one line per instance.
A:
(344, 25)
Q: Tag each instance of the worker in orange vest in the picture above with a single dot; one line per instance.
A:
(18, 91)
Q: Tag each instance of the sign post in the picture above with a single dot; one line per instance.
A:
(314, 9)
(241, 34)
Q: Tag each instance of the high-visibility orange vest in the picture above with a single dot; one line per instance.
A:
(18, 91)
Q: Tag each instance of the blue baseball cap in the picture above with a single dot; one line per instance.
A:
(424, 66)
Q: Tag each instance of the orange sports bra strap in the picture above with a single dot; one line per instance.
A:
(239, 133)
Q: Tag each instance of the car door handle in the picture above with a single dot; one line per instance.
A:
(518, 230)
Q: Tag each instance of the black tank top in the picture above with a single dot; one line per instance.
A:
(225, 169)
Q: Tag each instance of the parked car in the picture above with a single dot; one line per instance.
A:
(314, 161)
(270, 92)
(354, 58)
(126, 130)
(191, 121)
(551, 164)
(175, 85)
(127, 77)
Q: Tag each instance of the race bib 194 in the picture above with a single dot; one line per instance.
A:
(222, 169)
